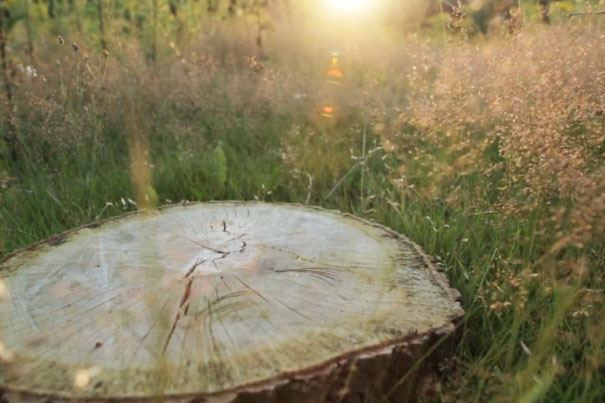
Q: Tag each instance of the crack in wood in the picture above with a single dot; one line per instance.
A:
(222, 298)
(148, 332)
(212, 339)
(282, 250)
(184, 303)
(253, 303)
(206, 247)
(192, 269)
(183, 307)
(225, 329)
(279, 301)
(258, 294)
(319, 272)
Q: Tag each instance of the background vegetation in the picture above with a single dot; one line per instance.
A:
(475, 129)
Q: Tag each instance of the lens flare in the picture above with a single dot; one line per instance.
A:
(335, 73)
(328, 109)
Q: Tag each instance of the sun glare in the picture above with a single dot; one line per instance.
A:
(349, 5)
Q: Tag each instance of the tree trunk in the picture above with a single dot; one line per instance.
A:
(154, 31)
(101, 25)
(30, 35)
(545, 10)
(11, 135)
(223, 301)
(212, 6)
(174, 10)
(51, 8)
(232, 7)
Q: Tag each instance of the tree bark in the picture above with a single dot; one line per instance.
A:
(154, 31)
(101, 25)
(30, 35)
(224, 301)
(544, 10)
(11, 135)
(51, 8)
(174, 9)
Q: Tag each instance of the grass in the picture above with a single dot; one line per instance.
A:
(101, 137)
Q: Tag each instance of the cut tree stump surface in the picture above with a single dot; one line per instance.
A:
(213, 300)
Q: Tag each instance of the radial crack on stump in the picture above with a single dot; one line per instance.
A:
(230, 301)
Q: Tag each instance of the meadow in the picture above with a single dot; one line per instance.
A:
(487, 150)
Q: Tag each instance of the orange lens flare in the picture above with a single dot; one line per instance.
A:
(335, 73)
(328, 109)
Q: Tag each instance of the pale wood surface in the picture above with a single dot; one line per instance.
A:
(207, 298)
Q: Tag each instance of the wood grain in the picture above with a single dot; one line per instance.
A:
(212, 300)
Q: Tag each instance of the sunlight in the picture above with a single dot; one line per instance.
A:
(349, 6)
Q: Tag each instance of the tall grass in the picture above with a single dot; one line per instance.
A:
(490, 154)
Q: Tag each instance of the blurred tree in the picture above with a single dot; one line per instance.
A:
(51, 8)
(232, 7)
(212, 6)
(101, 25)
(174, 9)
(154, 31)
(75, 15)
(545, 10)
(6, 23)
(30, 36)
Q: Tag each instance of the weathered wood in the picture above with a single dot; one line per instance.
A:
(226, 301)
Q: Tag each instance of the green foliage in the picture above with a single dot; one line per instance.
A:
(12, 13)
(219, 163)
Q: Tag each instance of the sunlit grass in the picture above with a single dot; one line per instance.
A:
(432, 142)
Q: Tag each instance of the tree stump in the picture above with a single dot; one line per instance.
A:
(227, 301)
